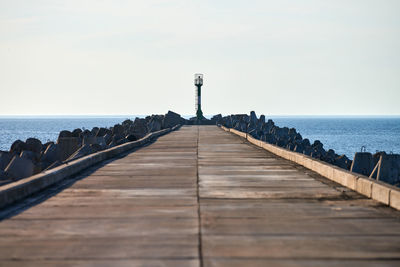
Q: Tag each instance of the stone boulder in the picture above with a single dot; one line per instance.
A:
(5, 177)
(299, 148)
(5, 158)
(96, 147)
(81, 152)
(139, 128)
(46, 145)
(261, 120)
(216, 119)
(253, 119)
(108, 138)
(389, 169)
(21, 167)
(330, 156)
(99, 140)
(342, 162)
(67, 146)
(51, 154)
(131, 137)
(18, 146)
(280, 133)
(171, 119)
(76, 132)
(30, 155)
(281, 142)
(118, 130)
(85, 133)
(227, 121)
(290, 146)
(318, 152)
(155, 123)
(117, 140)
(34, 145)
(306, 142)
(317, 144)
(94, 131)
(307, 150)
(268, 126)
(362, 163)
(269, 138)
(127, 123)
(102, 132)
(64, 134)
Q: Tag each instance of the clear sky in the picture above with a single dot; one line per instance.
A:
(315, 57)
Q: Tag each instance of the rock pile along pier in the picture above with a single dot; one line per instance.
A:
(381, 166)
(31, 157)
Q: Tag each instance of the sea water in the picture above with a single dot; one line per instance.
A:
(47, 128)
(346, 135)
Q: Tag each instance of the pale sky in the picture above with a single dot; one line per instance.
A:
(315, 57)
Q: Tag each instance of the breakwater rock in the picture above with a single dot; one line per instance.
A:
(204, 121)
(380, 166)
(31, 157)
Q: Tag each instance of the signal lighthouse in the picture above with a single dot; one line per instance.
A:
(198, 82)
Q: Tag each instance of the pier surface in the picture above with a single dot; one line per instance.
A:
(199, 197)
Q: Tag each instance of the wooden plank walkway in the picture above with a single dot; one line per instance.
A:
(199, 197)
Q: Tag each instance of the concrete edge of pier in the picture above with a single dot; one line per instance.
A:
(20, 189)
(379, 191)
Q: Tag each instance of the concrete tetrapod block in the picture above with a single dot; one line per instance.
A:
(20, 167)
(5, 158)
(50, 154)
(362, 163)
(67, 146)
(389, 168)
(94, 140)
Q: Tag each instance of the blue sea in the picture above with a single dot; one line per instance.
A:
(346, 135)
(47, 128)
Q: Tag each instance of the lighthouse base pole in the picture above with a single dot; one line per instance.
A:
(199, 113)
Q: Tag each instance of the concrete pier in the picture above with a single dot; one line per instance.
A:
(199, 196)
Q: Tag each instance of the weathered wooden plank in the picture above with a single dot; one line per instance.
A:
(139, 210)
(302, 246)
(260, 210)
(255, 209)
